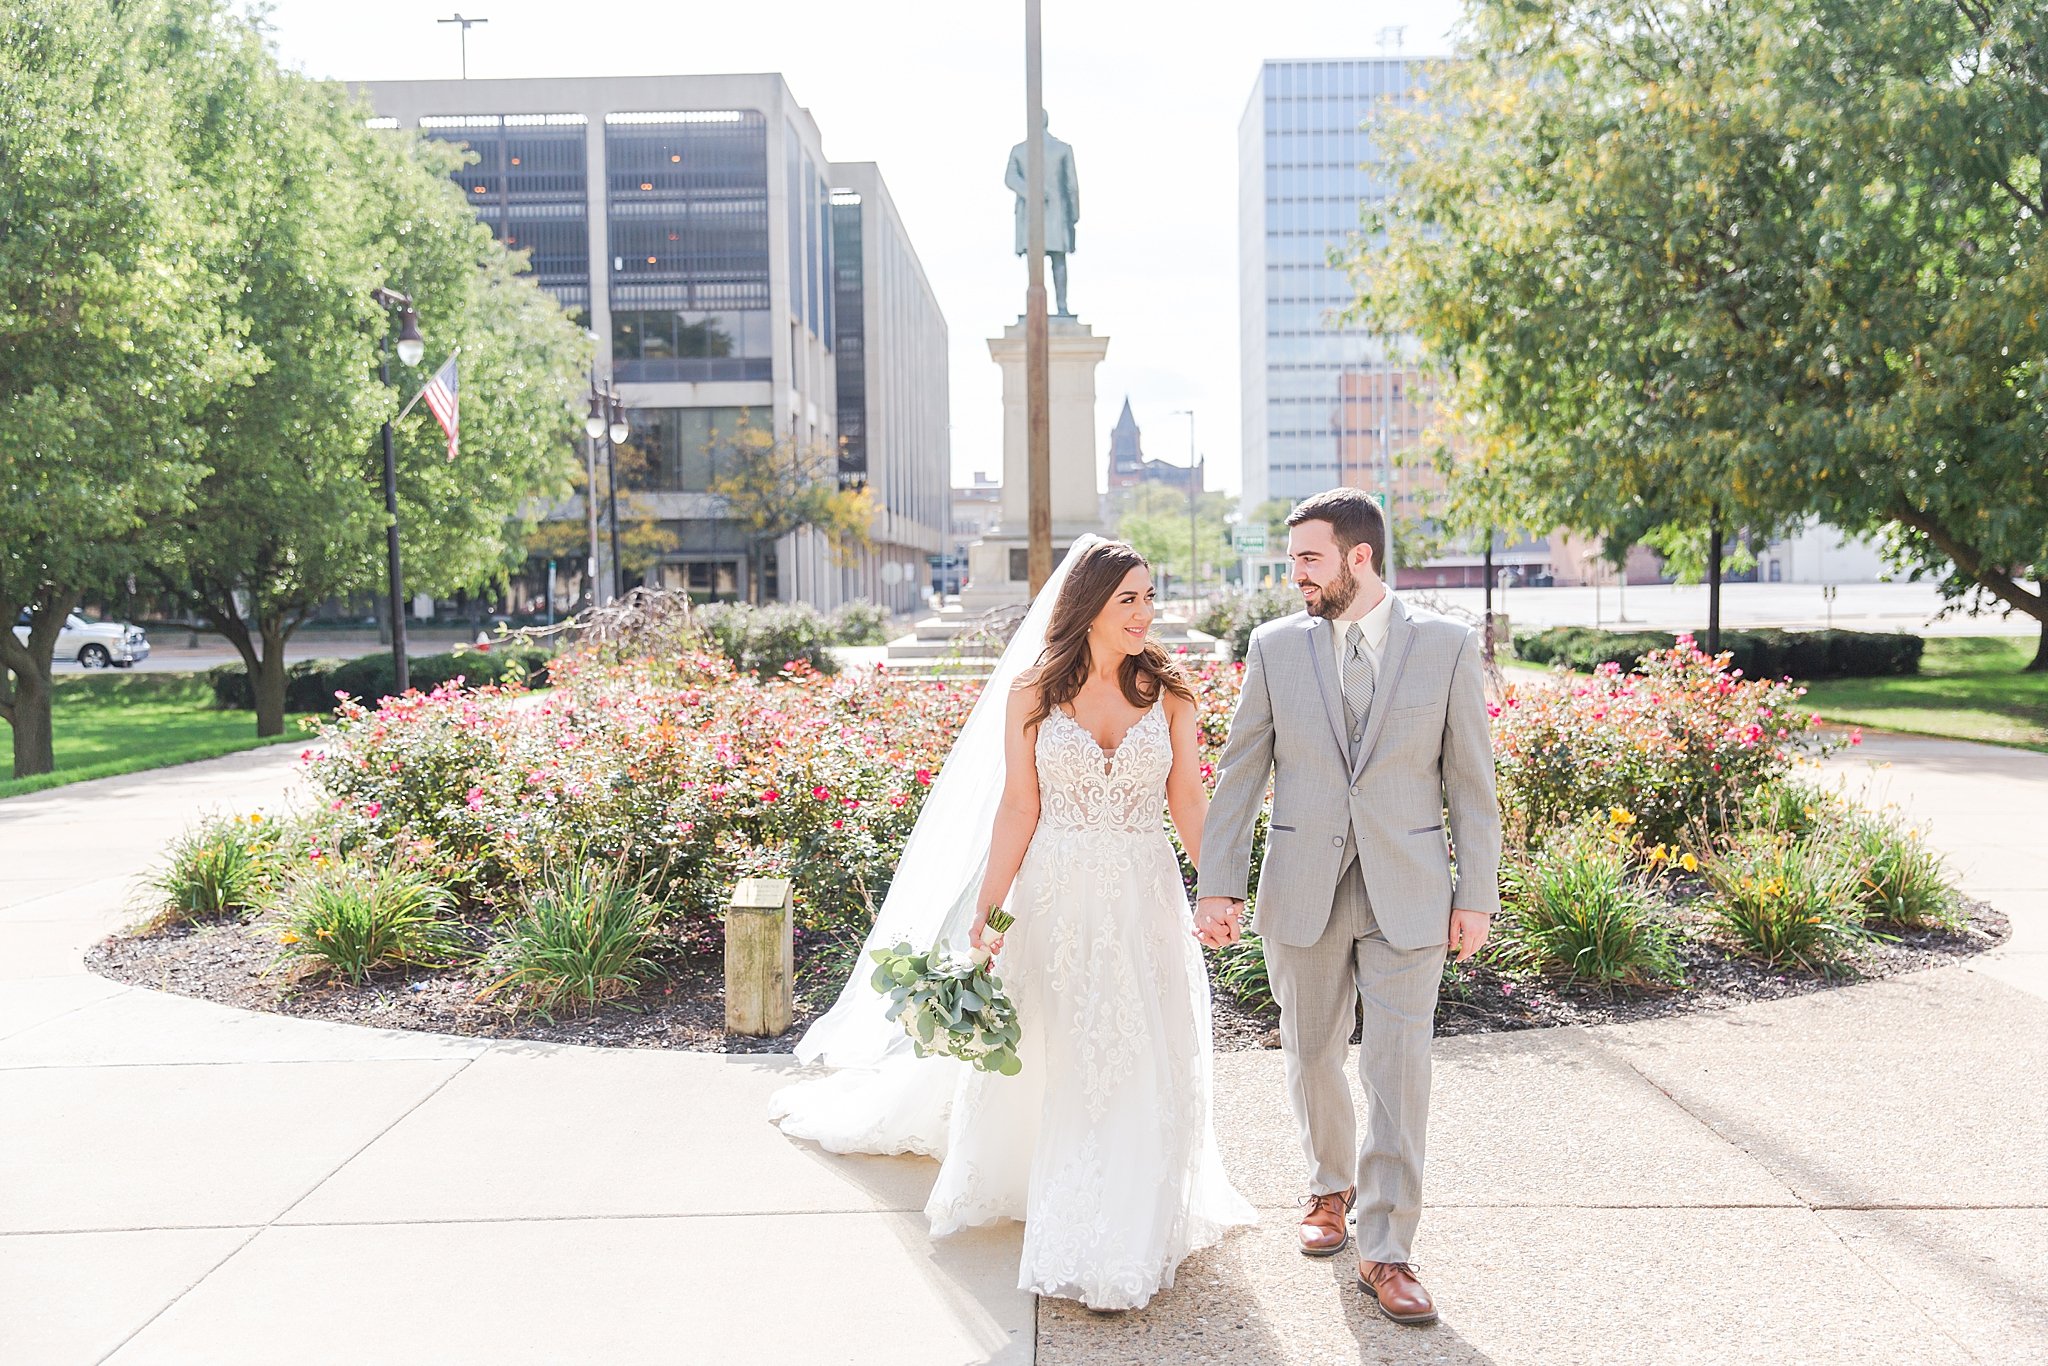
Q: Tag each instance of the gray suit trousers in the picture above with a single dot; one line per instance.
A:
(1319, 989)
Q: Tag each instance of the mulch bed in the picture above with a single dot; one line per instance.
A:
(232, 964)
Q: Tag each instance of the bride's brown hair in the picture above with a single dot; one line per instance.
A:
(1064, 663)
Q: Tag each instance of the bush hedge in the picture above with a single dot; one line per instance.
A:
(765, 640)
(311, 684)
(1767, 653)
(1235, 617)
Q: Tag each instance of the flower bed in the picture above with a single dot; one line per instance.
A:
(534, 852)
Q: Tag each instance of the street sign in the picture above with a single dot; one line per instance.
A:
(1249, 539)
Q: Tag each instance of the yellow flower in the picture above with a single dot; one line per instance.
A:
(288, 938)
(255, 818)
(1660, 854)
(1689, 863)
(1620, 816)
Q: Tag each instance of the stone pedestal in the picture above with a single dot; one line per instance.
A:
(996, 564)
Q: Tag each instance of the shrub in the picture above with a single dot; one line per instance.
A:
(1787, 902)
(1766, 653)
(347, 919)
(1236, 616)
(1575, 911)
(222, 867)
(860, 623)
(1788, 807)
(765, 640)
(1242, 969)
(1899, 881)
(584, 939)
(311, 684)
(1677, 745)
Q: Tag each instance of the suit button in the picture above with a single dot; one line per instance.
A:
(1337, 840)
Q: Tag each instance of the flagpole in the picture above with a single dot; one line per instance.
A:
(410, 342)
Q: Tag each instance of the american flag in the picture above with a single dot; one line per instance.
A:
(440, 395)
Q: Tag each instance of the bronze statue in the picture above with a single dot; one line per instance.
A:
(1062, 206)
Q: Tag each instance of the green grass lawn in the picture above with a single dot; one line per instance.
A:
(1968, 688)
(103, 724)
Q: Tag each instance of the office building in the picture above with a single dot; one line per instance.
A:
(692, 223)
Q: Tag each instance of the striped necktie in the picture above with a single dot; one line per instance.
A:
(1358, 683)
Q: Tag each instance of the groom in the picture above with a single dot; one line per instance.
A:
(1369, 718)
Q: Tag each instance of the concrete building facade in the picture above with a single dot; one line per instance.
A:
(690, 222)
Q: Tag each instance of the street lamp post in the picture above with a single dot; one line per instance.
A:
(607, 420)
(411, 347)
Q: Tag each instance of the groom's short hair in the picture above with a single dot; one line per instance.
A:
(1354, 518)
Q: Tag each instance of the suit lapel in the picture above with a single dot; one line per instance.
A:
(1400, 636)
(1316, 635)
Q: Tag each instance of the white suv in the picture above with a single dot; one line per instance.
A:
(94, 644)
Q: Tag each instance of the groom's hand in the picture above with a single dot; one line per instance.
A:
(1217, 921)
(1468, 932)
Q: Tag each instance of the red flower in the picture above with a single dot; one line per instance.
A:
(821, 794)
(924, 777)
(771, 795)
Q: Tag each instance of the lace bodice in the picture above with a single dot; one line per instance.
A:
(1080, 787)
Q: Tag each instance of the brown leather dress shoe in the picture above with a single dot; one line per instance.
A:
(1323, 1230)
(1395, 1290)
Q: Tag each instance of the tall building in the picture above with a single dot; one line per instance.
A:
(1323, 404)
(690, 222)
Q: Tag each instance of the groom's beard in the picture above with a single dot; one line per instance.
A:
(1336, 595)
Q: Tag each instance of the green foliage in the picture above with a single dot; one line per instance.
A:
(347, 919)
(1157, 524)
(1766, 653)
(585, 938)
(764, 640)
(1235, 616)
(1899, 881)
(860, 623)
(1576, 910)
(222, 867)
(114, 330)
(950, 1007)
(1788, 902)
(1241, 968)
(1773, 263)
(311, 684)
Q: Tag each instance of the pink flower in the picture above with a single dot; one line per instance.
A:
(1856, 736)
(1493, 709)
(771, 795)
(924, 777)
(838, 824)
(685, 827)
(822, 794)
(898, 799)
(476, 799)
(374, 810)
(305, 756)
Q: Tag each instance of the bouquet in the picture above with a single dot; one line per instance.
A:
(950, 1005)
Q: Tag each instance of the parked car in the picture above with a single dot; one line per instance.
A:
(94, 644)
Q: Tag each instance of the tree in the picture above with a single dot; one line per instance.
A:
(112, 332)
(777, 486)
(1155, 521)
(643, 537)
(1706, 268)
(321, 211)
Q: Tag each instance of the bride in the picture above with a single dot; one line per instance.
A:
(1050, 806)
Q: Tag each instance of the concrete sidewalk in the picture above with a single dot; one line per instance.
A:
(1855, 1175)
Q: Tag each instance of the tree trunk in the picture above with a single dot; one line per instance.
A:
(2040, 664)
(28, 702)
(1714, 580)
(267, 681)
(29, 714)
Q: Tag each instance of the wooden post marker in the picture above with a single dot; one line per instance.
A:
(760, 958)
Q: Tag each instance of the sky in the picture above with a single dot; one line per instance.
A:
(1148, 93)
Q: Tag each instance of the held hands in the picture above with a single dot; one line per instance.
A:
(1219, 921)
(1468, 932)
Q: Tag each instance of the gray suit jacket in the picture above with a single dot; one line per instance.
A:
(1427, 745)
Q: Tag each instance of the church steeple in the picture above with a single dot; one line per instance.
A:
(1126, 452)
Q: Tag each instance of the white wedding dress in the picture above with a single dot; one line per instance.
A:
(1103, 1145)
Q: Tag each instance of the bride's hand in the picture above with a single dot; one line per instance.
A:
(981, 937)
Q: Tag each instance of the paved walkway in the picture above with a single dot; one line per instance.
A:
(1850, 1176)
